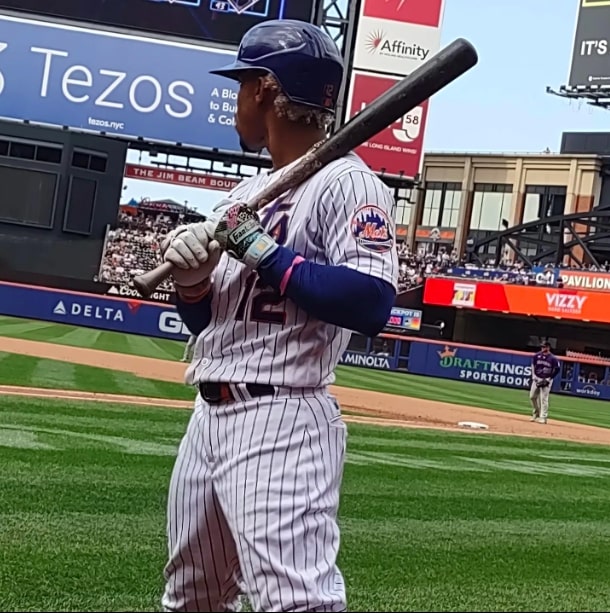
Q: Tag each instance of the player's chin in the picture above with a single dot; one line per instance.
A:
(249, 146)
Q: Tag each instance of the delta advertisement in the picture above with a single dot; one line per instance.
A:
(105, 313)
(115, 84)
(560, 303)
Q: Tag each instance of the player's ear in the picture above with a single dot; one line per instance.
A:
(261, 93)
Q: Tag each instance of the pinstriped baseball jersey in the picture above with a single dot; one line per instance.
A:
(342, 216)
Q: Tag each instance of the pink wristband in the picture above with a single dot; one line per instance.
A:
(288, 274)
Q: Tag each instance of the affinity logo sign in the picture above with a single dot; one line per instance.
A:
(378, 43)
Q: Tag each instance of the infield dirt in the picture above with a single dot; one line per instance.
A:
(371, 407)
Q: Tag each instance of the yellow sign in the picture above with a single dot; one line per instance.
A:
(592, 3)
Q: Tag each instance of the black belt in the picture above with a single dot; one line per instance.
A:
(221, 392)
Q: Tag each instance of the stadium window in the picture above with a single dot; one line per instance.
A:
(49, 153)
(543, 201)
(490, 205)
(23, 151)
(27, 196)
(80, 207)
(441, 204)
(450, 205)
(89, 160)
(403, 207)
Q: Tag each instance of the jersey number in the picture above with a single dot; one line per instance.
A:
(266, 300)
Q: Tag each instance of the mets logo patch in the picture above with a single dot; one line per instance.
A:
(371, 228)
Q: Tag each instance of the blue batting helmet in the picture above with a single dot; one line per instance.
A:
(302, 57)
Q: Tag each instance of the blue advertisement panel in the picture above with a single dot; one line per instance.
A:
(540, 275)
(470, 364)
(117, 84)
(120, 315)
(591, 390)
(368, 360)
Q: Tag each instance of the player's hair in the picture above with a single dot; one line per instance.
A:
(299, 113)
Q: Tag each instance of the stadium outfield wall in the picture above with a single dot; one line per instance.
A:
(441, 359)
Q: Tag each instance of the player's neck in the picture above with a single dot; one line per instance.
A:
(287, 147)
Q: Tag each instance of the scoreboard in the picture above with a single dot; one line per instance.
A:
(403, 320)
(219, 21)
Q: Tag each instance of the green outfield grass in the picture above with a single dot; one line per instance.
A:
(74, 336)
(431, 521)
(47, 373)
(27, 371)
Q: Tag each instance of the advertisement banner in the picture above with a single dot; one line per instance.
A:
(591, 390)
(180, 177)
(393, 38)
(519, 299)
(367, 360)
(115, 84)
(422, 12)
(593, 281)
(393, 47)
(128, 291)
(590, 54)
(539, 275)
(470, 364)
(223, 21)
(398, 148)
(90, 311)
(404, 320)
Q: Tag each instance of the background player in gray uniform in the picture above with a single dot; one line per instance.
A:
(254, 494)
(545, 367)
(189, 348)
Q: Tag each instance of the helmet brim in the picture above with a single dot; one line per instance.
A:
(234, 70)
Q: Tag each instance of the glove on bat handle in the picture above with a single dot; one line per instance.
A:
(429, 78)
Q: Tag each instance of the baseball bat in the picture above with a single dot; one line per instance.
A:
(429, 78)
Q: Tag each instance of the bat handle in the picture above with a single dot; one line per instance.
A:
(149, 281)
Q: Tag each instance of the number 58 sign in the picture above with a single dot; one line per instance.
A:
(397, 150)
(410, 126)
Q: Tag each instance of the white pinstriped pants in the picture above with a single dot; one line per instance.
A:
(252, 504)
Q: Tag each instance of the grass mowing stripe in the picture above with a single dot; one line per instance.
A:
(145, 346)
(78, 337)
(93, 338)
(174, 349)
(18, 369)
(26, 329)
(139, 386)
(54, 374)
(28, 371)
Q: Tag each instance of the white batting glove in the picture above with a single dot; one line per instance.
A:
(192, 253)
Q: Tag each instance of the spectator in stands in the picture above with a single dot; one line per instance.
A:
(132, 247)
(414, 267)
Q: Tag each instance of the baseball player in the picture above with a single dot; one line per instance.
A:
(273, 298)
(189, 348)
(545, 367)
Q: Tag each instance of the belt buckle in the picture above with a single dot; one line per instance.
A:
(222, 393)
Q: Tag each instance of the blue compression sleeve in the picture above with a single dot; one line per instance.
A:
(335, 294)
(196, 316)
